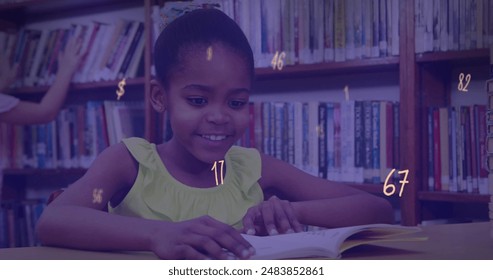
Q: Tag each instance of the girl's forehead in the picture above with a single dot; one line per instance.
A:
(212, 54)
(207, 52)
(211, 64)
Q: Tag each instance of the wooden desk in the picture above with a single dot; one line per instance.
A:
(455, 241)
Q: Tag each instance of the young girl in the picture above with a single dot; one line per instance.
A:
(164, 198)
(15, 111)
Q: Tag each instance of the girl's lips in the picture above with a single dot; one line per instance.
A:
(214, 137)
(214, 140)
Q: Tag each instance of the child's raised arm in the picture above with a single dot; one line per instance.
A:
(47, 109)
(313, 201)
(75, 219)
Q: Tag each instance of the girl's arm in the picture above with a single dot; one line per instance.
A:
(317, 201)
(47, 109)
(77, 220)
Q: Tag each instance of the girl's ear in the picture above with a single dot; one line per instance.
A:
(158, 96)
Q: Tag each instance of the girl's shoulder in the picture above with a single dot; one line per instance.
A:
(143, 151)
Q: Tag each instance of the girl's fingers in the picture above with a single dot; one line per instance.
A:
(207, 245)
(228, 238)
(189, 253)
(268, 218)
(295, 224)
(249, 221)
(282, 220)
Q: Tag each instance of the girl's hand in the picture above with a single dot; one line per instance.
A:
(271, 217)
(200, 238)
(70, 58)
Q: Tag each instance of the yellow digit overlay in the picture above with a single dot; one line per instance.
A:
(278, 61)
(403, 182)
(97, 196)
(214, 168)
(387, 186)
(120, 91)
(461, 86)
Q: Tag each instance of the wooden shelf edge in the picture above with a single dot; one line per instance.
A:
(317, 69)
(467, 55)
(44, 172)
(79, 86)
(453, 197)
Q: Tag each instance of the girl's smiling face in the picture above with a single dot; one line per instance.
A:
(207, 101)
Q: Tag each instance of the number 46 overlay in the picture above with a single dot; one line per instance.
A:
(392, 187)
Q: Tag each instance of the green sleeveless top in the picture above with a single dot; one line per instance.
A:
(156, 195)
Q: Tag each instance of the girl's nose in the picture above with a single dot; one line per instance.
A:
(218, 116)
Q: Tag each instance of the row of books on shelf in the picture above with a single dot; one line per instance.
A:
(352, 141)
(457, 149)
(75, 138)
(113, 51)
(312, 31)
(17, 223)
(443, 25)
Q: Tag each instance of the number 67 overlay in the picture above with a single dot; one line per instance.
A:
(387, 186)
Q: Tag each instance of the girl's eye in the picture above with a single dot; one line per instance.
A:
(237, 104)
(197, 101)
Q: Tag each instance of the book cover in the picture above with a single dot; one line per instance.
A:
(437, 174)
(389, 135)
(444, 150)
(347, 141)
(375, 148)
(322, 140)
(375, 50)
(288, 145)
(337, 142)
(331, 172)
(349, 29)
(313, 130)
(452, 149)
(359, 141)
(329, 30)
(305, 136)
(339, 30)
(396, 161)
(482, 158)
(278, 130)
(367, 112)
(474, 144)
(431, 180)
(382, 29)
(383, 142)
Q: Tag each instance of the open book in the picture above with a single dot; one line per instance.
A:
(329, 243)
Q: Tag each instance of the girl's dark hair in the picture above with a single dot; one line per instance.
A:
(200, 27)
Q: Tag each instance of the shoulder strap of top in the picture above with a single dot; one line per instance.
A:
(143, 151)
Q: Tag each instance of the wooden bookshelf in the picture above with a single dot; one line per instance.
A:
(453, 197)
(77, 87)
(383, 64)
(432, 74)
(468, 56)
